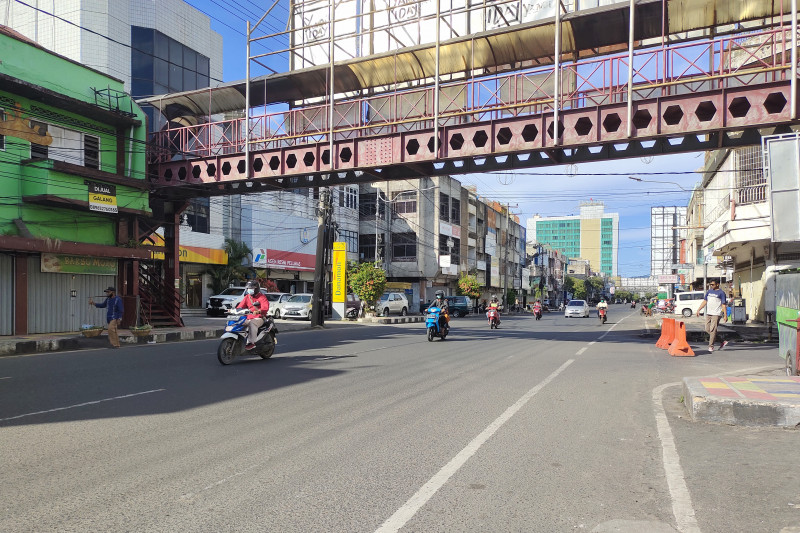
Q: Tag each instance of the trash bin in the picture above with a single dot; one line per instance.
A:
(739, 313)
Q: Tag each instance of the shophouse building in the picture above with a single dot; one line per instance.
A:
(154, 48)
(592, 235)
(547, 268)
(75, 197)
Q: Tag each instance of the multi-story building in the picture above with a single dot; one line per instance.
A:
(548, 268)
(592, 235)
(667, 230)
(154, 48)
(74, 199)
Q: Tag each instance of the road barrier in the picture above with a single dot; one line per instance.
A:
(667, 333)
(679, 346)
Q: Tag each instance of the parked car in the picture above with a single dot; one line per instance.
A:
(392, 302)
(686, 303)
(578, 308)
(221, 303)
(298, 306)
(459, 305)
(276, 302)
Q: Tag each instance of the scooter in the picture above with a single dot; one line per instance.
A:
(633, 305)
(235, 339)
(537, 313)
(493, 314)
(351, 313)
(601, 314)
(432, 324)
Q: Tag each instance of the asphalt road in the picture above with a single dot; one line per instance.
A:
(552, 425)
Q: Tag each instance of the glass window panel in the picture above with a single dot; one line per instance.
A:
(142, 39)
(189, 59)
(202, 81)
(175, 78)
(175, 52)
(161, 46)
(189, 80)
(141, 65)
(141, 87)
(161, 72)
(203, 65)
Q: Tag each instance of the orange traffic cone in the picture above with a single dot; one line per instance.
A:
(679, 347)
(667, 333)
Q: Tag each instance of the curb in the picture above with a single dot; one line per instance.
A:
(705, 407)
(388, 320)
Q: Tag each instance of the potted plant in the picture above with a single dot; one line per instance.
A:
(141, 331)
(90, 330)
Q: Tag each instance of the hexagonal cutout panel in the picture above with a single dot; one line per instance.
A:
(274, 162)
(168, 174)
(196, 171)
(346, 154)
(412, 147)
(504, 136)
(182, 172)
(456, 141)
(308, 159)
(211, 169)
(560, 130)
(431, 146)
(705, 111)
(479, 139)
(673, 115)
(291, 161)
(530, 132)
(241, 166)
(583, 126)
(739, 107)
(775, 103)
(326, 157)
(258, 164)
(642, 119)
(612, 122)
(226, 167)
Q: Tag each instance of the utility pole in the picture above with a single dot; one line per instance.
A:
(505, 260)
(324, 211)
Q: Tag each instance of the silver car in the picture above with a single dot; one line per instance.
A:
(578, 308)
(222, 303)
(276, 302)
(298, 306)
(392, 302)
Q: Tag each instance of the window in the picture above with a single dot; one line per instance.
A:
(453, 252)
(197, 215)
(348, 197)
(91, 151)
(366, 207)
(404, 202)
(350, 238)
(366, 246)
(39, 151)
(444, 207)
(455, 211)
(404, 246)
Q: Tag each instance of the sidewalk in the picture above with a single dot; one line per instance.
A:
(195, 328)
(755, 401)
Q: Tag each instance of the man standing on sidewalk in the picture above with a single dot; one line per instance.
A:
(113, 305)
(715, 304)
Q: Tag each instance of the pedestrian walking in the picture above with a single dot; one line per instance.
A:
(113, 306)
(715, 303)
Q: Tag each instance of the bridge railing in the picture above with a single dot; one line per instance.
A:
(680, 68)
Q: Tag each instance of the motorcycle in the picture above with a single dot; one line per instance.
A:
(537, 313)
(351, 313)
(235, 339)
(493, 314)
(633, 305)
(432, 324)
(601, 314)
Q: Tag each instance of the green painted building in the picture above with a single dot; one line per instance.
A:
(593, 235)
(74, 193)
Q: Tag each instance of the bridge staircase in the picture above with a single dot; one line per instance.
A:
(160, 300)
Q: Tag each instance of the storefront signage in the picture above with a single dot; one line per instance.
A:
(191, 254)
(278, 259)
(102, 197)
(78, 264)
(338, 285)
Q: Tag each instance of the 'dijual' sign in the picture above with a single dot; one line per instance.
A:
(102, 197)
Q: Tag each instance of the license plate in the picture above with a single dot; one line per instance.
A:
(432, 316)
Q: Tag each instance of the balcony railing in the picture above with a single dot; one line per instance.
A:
(754, 194)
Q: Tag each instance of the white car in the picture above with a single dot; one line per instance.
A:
(392, 302)
(276, 302)
(298, 306)
(578, 308)
(222, 303)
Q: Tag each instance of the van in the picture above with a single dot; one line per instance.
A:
(459, 305)
(686, 303)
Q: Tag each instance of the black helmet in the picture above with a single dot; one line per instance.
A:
(439, 294)
(253, 284)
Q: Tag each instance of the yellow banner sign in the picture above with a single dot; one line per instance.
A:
(338, 285)
(191, 254)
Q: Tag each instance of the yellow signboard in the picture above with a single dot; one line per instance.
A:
(191, 254)
(338, 285)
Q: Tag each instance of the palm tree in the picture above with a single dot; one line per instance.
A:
(222, 276)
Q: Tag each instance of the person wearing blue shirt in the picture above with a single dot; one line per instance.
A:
(715, 304)
(113, 305)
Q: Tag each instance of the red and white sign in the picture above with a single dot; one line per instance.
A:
(281, 260)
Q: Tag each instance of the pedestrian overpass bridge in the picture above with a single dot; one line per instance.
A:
(677, 76)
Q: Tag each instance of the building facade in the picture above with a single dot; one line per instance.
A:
(75, 199)
(667, 231)
(592, 235)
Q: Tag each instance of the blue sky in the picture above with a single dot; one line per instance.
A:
(548, 192)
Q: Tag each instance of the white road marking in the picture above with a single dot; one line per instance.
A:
(81, 404)
(6, 377)
(415, 503)
(579, 352)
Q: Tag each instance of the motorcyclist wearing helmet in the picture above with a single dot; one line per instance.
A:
(495, 302)
(537, 307)
(441, 303)
(256, 302)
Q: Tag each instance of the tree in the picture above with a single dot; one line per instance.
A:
(576, 286)
(468, 286)
(222, 276)
(366, 280)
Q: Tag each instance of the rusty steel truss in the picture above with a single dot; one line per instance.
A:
(680, 97)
